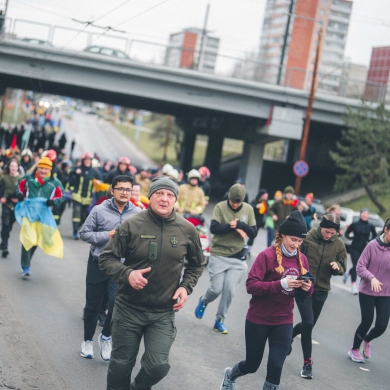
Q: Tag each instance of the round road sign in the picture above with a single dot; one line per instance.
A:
(301, 168)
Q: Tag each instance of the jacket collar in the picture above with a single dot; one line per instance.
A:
(116, 207)
(320, 238)
(161, 220)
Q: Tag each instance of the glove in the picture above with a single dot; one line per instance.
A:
(49, 203)
(20, 197)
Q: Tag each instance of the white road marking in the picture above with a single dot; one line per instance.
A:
(341, 286)
(312, 341)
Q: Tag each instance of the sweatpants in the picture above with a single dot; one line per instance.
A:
(26, 256)
(7, 221)
(309, 310)
(279, 340)
(368, 304)
(226, 274)
(94, 300)
(128, 327)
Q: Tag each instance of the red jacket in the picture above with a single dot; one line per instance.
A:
(271, 304)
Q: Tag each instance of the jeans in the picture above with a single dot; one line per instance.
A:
(7, 220)
(95, 296)
(309, 310)
(279, 340)
(367, 305)
(129, 325)
(270, 236)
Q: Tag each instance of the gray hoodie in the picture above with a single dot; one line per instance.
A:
(101, 220)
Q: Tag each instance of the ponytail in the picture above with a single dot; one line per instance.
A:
(279, 256)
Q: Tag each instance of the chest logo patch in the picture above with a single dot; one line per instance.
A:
(244, 218)
(174, 242)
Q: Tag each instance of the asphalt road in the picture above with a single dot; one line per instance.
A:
(41, 333)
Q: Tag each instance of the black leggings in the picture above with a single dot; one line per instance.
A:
(355, 254)
(279, 339)
(367, 305)
(310, 310)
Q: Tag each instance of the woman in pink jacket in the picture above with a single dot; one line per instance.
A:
(374, 293)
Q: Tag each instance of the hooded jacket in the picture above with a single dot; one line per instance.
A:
(375, 262)
(320, 254)
(148, 240)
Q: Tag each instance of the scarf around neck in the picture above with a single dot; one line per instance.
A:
(287, 253)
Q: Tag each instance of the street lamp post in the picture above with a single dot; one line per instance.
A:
(203, 39)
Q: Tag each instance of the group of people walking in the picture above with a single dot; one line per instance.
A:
(136, 268)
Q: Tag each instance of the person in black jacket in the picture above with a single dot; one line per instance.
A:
(363, 232)
(260, 208)
(81, 185)
(122, 169)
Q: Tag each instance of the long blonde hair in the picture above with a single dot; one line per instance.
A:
(279, 256)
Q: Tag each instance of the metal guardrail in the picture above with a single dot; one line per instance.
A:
(249, 68)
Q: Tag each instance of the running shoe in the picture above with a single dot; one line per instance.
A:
(307, 370)
(105, 347)
(26, 271)
(5, 253)
(220, 327)
(227, 384)
(199, 311)
(354, 289)
(365, 349)
(87, 349)
(355, 356)
(345, 277)
(76, 236)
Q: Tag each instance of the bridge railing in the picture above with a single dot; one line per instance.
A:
(217, 61)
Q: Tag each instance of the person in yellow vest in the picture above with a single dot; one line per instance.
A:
(191, 197)
(143, 179)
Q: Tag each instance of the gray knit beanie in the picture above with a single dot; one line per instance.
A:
(163, 182)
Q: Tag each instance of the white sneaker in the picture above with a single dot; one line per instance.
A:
(87, 349)
(354, 289)
(105, 348)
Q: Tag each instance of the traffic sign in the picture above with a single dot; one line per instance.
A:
(301, 168)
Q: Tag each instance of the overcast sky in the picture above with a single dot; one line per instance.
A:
(237, 22)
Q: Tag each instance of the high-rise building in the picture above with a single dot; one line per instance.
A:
(378, 74)
(307, 17)
(184, 50)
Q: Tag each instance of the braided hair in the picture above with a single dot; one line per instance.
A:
(279, 256)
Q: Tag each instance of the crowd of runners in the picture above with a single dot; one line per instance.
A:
(146, 257)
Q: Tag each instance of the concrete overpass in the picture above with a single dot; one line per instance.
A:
(202, 103)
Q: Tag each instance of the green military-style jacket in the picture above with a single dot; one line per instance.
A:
(320, 254)
(148, 240)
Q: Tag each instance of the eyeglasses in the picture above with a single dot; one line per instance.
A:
(160, 194)
(123, 190)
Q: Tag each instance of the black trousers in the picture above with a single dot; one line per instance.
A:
(279, 339)
(368, 304)
(80, 214)
(7, 221)
(309, 310)
(355, 254)
(94, 300)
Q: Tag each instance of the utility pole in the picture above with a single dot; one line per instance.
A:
(306, 129)
(284, 48)
(203, 39)
(6, 8)
(167, 136)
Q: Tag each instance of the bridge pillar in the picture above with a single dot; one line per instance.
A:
(251, 166)
(187, 151)
(214, 153)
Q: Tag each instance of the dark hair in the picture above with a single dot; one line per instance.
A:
(122, 179)
(6, 168)
(386, 225)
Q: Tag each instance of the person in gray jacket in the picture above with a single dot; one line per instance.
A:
(97, 230)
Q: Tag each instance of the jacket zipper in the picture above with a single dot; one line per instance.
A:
(158, 261)
(319, 266)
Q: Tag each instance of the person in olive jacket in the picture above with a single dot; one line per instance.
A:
(327, 257)
(146, 258)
